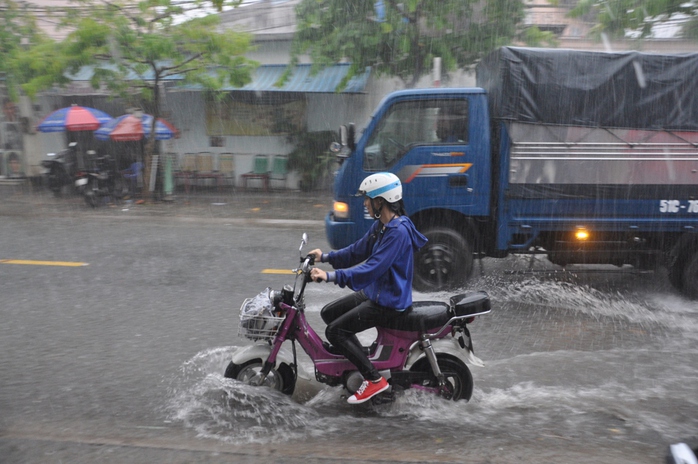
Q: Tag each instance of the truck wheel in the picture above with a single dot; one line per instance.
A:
(690, 278)
(444, 263)
(675, 272)
(678, 259)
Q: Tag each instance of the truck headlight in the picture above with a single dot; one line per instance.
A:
(340, 210)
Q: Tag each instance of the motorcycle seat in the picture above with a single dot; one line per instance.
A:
(420, 317)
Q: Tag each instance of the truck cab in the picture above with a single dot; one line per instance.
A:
(437, 141)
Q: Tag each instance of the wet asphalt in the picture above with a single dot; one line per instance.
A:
(253, 205)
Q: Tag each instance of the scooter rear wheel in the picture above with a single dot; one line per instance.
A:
(459, 380)
(91, 197)
(282, 379)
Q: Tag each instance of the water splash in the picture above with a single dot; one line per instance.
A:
(648, 304)
(234, 412)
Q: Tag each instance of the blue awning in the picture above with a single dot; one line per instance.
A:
(266, 76)
(326, 80)
(86, 72)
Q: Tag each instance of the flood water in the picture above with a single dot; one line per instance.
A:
(593, 359)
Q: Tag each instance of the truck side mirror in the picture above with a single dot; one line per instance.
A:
(351, 131)
(343, 139)
(346, 136)
(345, 146)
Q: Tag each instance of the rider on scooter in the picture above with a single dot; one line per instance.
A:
(379, 268)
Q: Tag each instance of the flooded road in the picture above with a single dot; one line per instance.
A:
(590, 359)
(122, 360)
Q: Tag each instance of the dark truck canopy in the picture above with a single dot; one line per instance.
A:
(595, 89)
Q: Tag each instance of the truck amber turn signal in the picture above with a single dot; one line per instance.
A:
(341, 210)
(581, 234)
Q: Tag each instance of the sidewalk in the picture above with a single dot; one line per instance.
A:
(284, 205)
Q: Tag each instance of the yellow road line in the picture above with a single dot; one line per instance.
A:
(43, 263)
(278, 271)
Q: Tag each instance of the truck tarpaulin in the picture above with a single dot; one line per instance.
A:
(597, 89)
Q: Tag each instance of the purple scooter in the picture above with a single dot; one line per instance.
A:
(425, 347)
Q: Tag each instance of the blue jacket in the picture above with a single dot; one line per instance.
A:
(381, 263)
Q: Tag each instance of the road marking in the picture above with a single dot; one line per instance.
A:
(43, 263)
(278, 271)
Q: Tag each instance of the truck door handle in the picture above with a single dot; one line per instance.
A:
(458, 181)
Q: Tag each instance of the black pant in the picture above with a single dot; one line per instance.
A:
(348, 316)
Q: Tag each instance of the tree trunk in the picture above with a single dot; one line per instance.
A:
(147, 166)
(150, 143)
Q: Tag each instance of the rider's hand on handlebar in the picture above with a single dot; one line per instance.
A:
(316, 254)
(318, 275)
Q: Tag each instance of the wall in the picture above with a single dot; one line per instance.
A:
(186, 110)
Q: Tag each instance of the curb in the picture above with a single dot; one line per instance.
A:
(287, 208)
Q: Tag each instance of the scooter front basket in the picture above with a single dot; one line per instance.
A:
(257, 321)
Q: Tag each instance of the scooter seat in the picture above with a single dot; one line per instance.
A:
(420, 317)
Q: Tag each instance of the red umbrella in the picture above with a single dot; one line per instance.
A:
(130, 127)
(74, 118)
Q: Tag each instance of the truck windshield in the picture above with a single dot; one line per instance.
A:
(411, 123)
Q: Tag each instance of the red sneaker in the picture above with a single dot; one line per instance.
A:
(368, 390)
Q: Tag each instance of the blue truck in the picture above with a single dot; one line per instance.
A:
(587, 157)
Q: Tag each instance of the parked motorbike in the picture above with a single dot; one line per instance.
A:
(100, 181)
(61, 168)
(425, 347)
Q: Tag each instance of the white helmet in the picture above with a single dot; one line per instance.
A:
(383, 184)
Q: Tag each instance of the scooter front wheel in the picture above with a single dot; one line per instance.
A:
(55, 180)
(459, 380)
(282, 380)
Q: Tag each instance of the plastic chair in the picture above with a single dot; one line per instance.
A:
(278, 170)
(261, 171)
(187, 170)
(204, 168)
(226, 166)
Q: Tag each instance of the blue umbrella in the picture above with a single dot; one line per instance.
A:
(130, 127)
(73, 118)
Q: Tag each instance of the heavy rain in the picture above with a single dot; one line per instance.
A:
(550, 166)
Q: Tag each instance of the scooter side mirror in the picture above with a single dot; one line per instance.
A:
(304, 241)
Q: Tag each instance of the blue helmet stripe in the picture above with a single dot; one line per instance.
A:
(385, 188)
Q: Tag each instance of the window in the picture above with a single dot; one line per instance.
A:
(408, 124)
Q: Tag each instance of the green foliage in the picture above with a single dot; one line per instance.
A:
(404, 42)
(636, 18)
(534, 37)
(20, 42)
(311, 157)
(132, 49)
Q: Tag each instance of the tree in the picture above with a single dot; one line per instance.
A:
(402, 38)
(134, 47)
(19, 36)
(639, 18)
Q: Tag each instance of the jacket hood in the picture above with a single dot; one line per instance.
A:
(418, 240)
